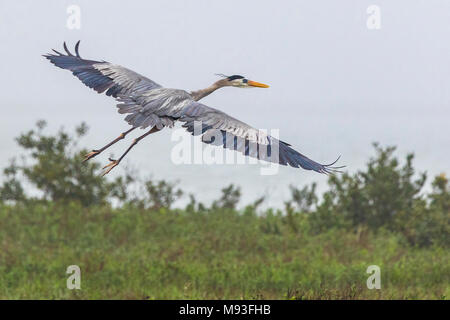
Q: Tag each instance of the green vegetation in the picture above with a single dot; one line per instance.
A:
(56, 212)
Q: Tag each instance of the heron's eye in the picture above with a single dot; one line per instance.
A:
(244, 80)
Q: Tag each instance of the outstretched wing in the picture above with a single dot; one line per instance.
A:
(101, 75)
(218, 128)
(215, 127)
(123, 84)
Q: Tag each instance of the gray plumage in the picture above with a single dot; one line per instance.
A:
(148, 105)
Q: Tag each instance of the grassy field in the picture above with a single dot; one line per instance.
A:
(131, 253)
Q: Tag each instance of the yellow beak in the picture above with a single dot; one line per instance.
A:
(257, 84)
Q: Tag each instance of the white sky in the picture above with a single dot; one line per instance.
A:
(336, 86)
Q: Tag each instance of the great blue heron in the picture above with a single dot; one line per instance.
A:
(150, 105)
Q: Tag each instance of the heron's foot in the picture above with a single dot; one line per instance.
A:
(90, 155)
(113, 163)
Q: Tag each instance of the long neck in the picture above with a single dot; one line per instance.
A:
(199, 94)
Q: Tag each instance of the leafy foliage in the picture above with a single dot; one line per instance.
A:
(378, 194)
(229, 199)
(162, 194)
(384, 195)
(55, 170)
(304, 199)
(53, 166)
(55, 210)
(129, 253)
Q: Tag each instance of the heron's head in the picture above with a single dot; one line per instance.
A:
(240, 82)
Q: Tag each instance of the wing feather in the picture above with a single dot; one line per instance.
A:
(101, 75)
(240, 137)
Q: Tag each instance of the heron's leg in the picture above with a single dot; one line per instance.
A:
(93, 153)
(113, 163)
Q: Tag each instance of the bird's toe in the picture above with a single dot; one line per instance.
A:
(90, 155)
